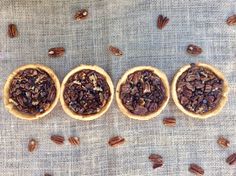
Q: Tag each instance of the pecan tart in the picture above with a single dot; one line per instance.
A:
(142, 92)
(86, 92)
(31, 91)
(199, 90)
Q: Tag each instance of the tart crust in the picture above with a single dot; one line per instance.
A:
(92, 116)
(122, 80)
(10, 107)
(222, 101)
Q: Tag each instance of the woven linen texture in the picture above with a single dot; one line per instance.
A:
(131, 26)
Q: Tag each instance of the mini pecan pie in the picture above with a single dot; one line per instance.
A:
(86, 92)
(142, 92)
(31, 91)
(199, 90)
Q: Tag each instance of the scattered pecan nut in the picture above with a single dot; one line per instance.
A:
(115, 51)
(231, 20)
(162, 21)
(32, 145)
(12, 31)
(196, 169)
(194, 50)
(46, 174)
(81, 15)
(223, 142)
(56, 52)
(116, 141)
(169, 121)
(231, 159)
(74, 140)
(156, 160)
(57, 139)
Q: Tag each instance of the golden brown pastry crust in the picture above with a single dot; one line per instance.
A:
(10, 107)
(123, 79)
(207, 114)
(92, 116)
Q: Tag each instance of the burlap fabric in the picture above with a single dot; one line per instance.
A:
(131, 26)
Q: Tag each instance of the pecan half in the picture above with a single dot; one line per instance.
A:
(195, 169)
(56, 52)
(116, 141)
(169, 121)
(162, 21)
(74, 140)
(223, 142)
(115, 51)
(12, 31)
(194, 50)
(81, 15)
(46, 174)
(32, 145)
(157, 160)
(231, 20)
(231, 160)
(57, 139)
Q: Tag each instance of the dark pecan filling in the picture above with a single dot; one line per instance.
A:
(86, 92)
(143, 92)
(199, 90)
(32, 91)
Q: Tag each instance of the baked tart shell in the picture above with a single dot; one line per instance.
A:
(92, 116)
(122, 80)
(9, 105)
(221, 103)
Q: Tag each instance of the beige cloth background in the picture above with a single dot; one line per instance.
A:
(131, 26)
